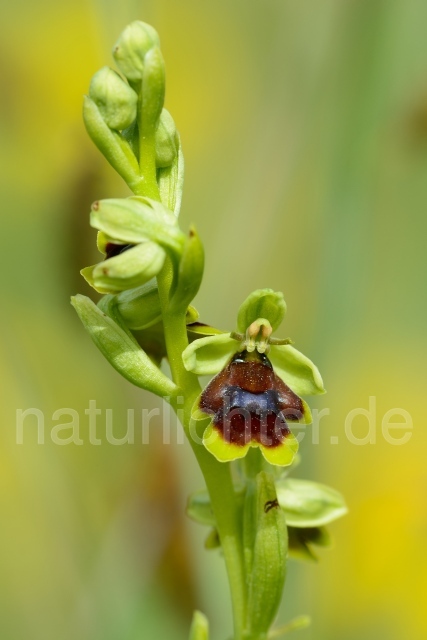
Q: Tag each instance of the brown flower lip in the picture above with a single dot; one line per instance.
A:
(112, 249)
(249, 402)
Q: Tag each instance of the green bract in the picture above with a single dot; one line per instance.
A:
(265, 546)
(121, 349)
(166, 141)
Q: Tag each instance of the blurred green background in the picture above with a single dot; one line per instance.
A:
(304, 127)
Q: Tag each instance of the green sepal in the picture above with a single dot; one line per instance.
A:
(212, 540)
(136, 220)
(298, 371)
(199, 508)
(140, 307)
(262, 303)
(302, 540)
(171, 181)
(131, 48)
(199, 627)
(309, 504)
(190, 273)
(209, 355)
(166, 141)
(266, 543)
(115, 99)
(192, 315)
(121, 349)
(129, 269)
(197, 330)
(111, 144)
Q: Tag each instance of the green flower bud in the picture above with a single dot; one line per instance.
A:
(122, 351)
(166, 140)
(263, 303)
(140, 307)
(265, 544)
(114, 98)
(309, 504)
(190, 272)
(199, 627)
(112, 145)
(131, 48)
(136, 220)
(127, 270)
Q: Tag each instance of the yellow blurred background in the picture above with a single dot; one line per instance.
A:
(304, 127)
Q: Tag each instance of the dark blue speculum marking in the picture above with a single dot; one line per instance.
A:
(260, 403)
(249, 402)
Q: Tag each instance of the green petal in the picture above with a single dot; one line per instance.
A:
(262, 303)
(309, 504)
(296, 370)
(197, 330)
(223, 451)
(101, 242)
(192, 315)
(208, 356)
(129, 269)
(283, 454)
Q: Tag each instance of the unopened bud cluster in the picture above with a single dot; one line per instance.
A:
(139, 236)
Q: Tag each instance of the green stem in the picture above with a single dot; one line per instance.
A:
(217, 475)
(147, 165)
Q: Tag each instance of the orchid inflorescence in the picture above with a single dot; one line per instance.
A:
(149, 275)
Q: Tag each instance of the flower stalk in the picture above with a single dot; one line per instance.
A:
(239, 426)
